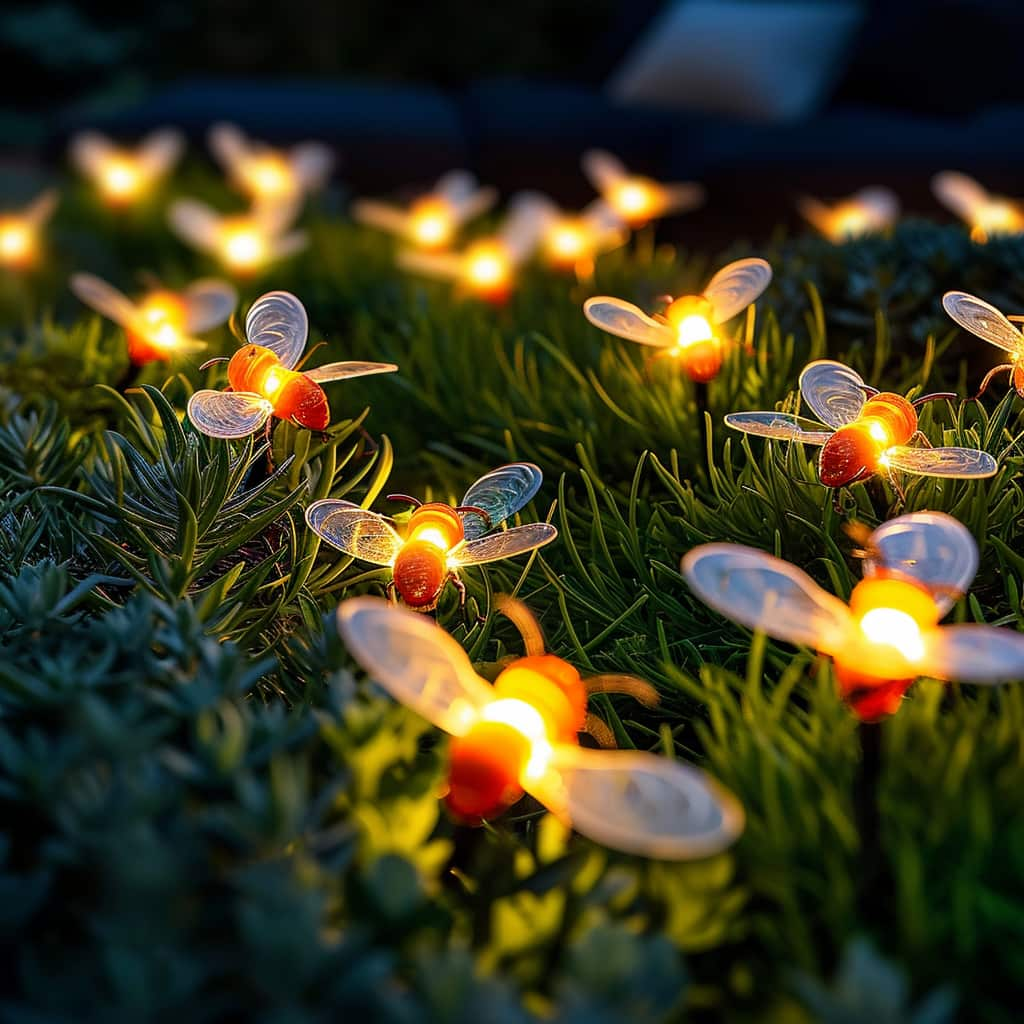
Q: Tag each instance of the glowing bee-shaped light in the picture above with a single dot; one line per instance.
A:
(432, 221)
(520, 735)
(244, 244)
(162, 324)
(572, 241)
(986, 322)
(862, 431)
(634, 198)
(268, 175)
(263, 379)
(686, 330)
(864, 213)
(487, 267)
(917, 566)
(125, 176)
(439, 540)
(984, 213)
(20, 231)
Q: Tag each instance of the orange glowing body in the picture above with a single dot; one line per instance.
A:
(540, 700)
(292, 394)
(165, 315)
(854, 451)
(697, 346)
(891, 612)
(18, 243)
(421, 568)
(431, 223)
(488, 271)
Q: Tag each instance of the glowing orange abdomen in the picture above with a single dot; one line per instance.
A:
(853, 451)
(421, 568)
(293, 395)
(486, 764)
(162, 309)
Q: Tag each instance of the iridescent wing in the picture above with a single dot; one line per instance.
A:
(278, 321)
(456, 186)
(89, 151)
(639, 803)
(208, 303)
(930, 548)
(466, 198)
(228, 144)
(625, 320)
(342, 371)
(603, 169)
(432, 264)
(415, 660)
(983, 320)
(228, 414)
(682, 196)
(957, 463)
(500, 493)
(767, 594)
(962, 194)
(312, 162)
(736, 286)
(104, 298)
(974, 654)
(833, 392)
(160, 150)
(382, 216)
(816, 213)
(524, 224)
(504, 544)
(783, 426)
(42, 207)
(355, 531)
(880, 204)
(195, 222)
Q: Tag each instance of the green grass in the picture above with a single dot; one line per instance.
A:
(208, 812)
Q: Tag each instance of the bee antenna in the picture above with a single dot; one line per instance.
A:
(407, 498)
(935, 396)
(476, 510)
(216, 359)
(523, 619)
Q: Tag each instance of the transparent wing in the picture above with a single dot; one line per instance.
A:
(640, 803)
(195, 222)
(228, 414)
(930, 548)
(962, 463)
(160, 150)
(832, 391)
(456, 186)
(881, 204)
(815, 212)
(312, 162)
(41, 208)
(431, 264)
(781, 425)
(382, 216)
(89, 150)
(603, 169)
(682, 196)
(624, 320)
(504, 544)
(278, 321)
(528, 215)
(415, 660)
(342, 371)
(104, 298)
(765, 593)
(736, 286)
(355, 531)
(500, 493)
(288, 245)
(208, 303)
(228, 144)
(983, 320)
(961, 193)
(974, 654)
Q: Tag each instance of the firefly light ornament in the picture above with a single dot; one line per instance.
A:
(634, 198)
(916, 567)
(862, 431)
(162, 324)
(244, 244)
(487, 267)
(264, 383)
(520, 735)
(125, 176)
(986, 322)
(434, 219)
(864, 213)
(985, 214)
(268, 175)
(686, 330)
(573, 241)
(20, 231)
(439, 539)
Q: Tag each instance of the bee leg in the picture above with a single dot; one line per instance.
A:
(599, 730)
(270, 447)
(389, 592)
(460, 587)
(918, 435)
(990, 376)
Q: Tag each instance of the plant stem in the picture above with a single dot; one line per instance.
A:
(875, 889)
(701, 400)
